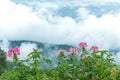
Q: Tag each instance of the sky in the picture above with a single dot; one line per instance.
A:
(96, 22)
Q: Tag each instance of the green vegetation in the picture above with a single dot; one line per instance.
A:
(77, 64)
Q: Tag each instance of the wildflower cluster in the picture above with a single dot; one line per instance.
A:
(78, 63)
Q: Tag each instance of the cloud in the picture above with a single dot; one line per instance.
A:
(25, 49)
(117, 58)
(109, 1)
(4, 45)
(44, 24)
(14, 18)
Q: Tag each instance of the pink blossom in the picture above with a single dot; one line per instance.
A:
(74, 50)
(16, 51)
(82, 44)
(94, 48)
(84, 56)
(61, 52)
(10, 51)
(13, 51)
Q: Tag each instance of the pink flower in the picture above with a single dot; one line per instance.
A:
(61, 52)
(94, 48)
(74, 50)
(13, 51)
(83, 44)
(84, 56)
(16, 51)
(10, 51)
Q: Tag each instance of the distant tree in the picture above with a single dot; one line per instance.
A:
(2, 61)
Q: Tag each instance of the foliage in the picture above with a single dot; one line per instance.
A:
(78, 64)
(2, 60)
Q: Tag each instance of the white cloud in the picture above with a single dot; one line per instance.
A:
(82, 13)
(25, 49)
(4, 45)
(18, 22)
(117, 58)
(110, 1)
(14, 18)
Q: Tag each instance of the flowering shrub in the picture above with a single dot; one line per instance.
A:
(77, 64)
